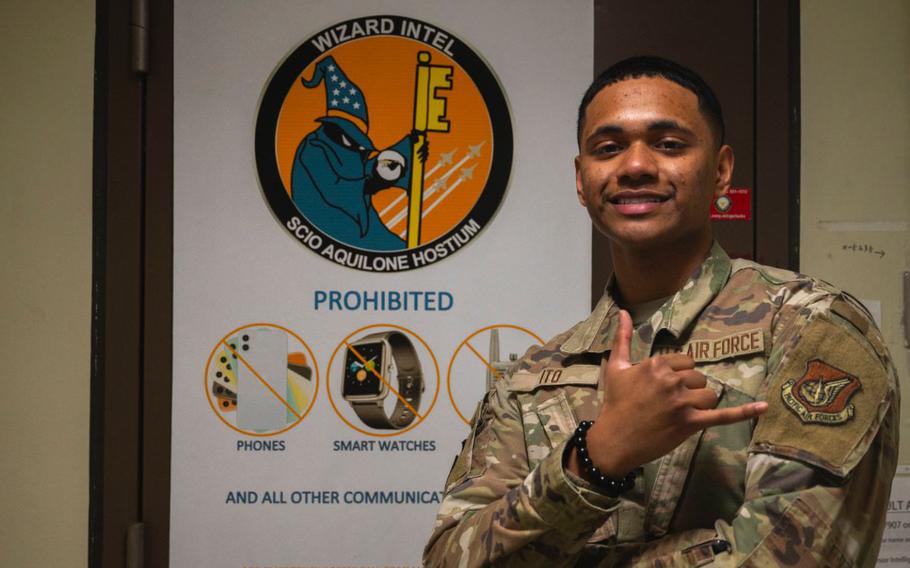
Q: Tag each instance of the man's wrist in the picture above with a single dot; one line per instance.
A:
(561, 497)
(612, 486)
(605, 451)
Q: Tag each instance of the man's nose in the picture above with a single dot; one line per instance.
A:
(638, 165)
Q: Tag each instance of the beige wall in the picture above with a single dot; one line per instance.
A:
(45, 230)
(856, 156)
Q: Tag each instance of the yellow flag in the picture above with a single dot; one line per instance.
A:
(429, 116)
(440, 79)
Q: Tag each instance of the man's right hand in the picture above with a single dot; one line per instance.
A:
(650, 408)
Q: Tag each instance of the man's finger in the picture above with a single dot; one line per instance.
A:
(678, 361)
(702, 398)
(693, 379)
(719, 416)
(621, 351)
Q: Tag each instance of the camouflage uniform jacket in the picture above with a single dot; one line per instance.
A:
(806, 484)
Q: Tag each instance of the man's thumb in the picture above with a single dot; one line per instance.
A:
(620, 353)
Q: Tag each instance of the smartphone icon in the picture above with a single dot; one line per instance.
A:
(262, 378)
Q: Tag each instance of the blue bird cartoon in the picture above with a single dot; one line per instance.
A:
(337, 168)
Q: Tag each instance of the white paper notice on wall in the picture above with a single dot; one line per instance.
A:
(895, 550)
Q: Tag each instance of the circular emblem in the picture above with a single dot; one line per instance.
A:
(384, 144)
(723, 203)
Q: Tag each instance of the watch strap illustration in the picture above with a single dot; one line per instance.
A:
(410, 385)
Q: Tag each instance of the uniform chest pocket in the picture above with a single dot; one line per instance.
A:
(744, 374)
(546, 423)
(552, 402)
(557, 419)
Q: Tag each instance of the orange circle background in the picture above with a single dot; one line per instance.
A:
(384, 69)
(208, 394)
(462, 344)
(416, 422)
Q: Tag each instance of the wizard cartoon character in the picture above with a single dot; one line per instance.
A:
(337, 169)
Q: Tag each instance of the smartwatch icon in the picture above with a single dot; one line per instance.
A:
(373, 362)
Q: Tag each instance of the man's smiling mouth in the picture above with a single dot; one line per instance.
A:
(637, 203)
(635, 197)
(631, 200)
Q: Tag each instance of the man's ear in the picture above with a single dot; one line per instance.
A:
(724, 173)
(578, 184)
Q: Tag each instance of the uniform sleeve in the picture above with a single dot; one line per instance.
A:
(498, 511)
(823, 457)
(798, 515)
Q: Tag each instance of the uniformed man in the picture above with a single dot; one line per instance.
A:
(742, 414)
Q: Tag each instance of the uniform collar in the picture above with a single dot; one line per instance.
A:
(595, 334)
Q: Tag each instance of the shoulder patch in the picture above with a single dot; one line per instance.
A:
(822, 395)
(826, 400)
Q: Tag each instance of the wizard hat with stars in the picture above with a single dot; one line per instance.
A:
(344, 101)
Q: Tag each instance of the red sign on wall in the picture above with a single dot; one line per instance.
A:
(736, 205)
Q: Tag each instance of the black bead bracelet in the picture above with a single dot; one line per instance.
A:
(612, 487)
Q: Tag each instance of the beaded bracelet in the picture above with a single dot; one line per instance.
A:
(612, 487)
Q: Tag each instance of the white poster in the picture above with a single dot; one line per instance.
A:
(895, 550)
(374, 210)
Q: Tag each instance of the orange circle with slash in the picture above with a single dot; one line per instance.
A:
(421, 416)
(465, 342)
(223, 341)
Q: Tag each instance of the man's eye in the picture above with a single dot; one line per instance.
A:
(672, 145)
(607, 149)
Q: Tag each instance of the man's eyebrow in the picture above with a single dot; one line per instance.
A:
(668, 125)
(664, 124)
(605, 129)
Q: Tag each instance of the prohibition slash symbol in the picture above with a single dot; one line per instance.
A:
(490, 364)
(261, 379)
(373, 367)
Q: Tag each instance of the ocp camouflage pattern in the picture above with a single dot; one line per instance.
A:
(778, 491)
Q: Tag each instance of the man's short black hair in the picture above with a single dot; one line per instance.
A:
(651, 66)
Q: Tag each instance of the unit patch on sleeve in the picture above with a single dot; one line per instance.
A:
(822, 394)
(826, 398)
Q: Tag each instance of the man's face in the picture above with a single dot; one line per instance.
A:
(648, 167)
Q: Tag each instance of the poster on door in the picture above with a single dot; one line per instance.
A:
(371, 207)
